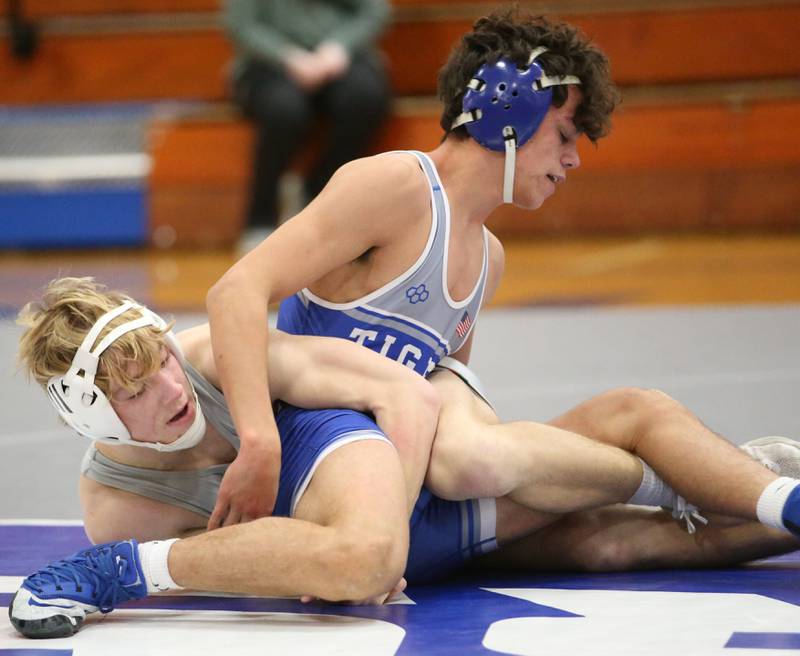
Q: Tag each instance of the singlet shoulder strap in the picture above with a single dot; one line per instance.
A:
(428, 167)
(195, 491)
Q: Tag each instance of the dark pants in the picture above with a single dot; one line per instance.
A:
(354, 105)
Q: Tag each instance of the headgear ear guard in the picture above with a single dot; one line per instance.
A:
(84, 406)
(503, 107)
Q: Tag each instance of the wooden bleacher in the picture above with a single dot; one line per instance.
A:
(173, 55)
(707, 137)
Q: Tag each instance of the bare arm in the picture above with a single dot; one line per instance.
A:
(326, 372)
(336, 228)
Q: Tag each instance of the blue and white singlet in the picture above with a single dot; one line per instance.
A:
(411, 319)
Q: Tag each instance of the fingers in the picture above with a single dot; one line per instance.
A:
(233, 517)
(219, 514)
(226, 515)
(402, 584)
(378, 600)
(241, 497)
(396, 591)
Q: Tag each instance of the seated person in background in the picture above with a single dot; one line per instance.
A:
(116, 374)
(298, 61)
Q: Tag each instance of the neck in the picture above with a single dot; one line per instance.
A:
(473, 178)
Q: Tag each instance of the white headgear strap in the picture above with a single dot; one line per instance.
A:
(84, 406)
(510, 165)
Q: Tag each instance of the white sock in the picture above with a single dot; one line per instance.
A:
(653, 491)
(155, 557)
(772, 500)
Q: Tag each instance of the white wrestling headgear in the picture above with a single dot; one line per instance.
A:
(84, 407)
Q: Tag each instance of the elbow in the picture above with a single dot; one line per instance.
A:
(102, 532)
(232, 284)
(97, 527)
(244, 284)
(95, 535)
(430, 400)
(412, 415)
(216, 294)
(416, 392)
(427, 404)
(367, 566)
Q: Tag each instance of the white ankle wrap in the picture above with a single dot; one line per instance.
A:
(772, 500)
(155, 565)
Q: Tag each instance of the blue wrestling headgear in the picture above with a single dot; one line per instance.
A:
(84, 407)
(505, 105)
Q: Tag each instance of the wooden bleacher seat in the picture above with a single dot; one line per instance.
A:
(695, 143)
(178, 58)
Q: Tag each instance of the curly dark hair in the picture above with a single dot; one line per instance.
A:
(507, 33)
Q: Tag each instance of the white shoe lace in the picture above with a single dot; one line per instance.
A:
(683, 511)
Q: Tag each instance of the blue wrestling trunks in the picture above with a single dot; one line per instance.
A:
(444, 534)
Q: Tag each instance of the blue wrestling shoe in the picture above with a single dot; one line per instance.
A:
(53, 602)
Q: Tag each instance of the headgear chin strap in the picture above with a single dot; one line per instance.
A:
(505, 105)
(84, 407)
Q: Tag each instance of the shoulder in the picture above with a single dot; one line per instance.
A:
(400, 168)
(196, 345)
(110, 514)
(390, 183)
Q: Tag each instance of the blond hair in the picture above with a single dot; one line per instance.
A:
(57, 324)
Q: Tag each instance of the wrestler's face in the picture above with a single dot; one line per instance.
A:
(543, 162)
(162, 408)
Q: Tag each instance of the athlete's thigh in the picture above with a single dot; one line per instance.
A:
(358, 487)
(461, 408)
(461, 460)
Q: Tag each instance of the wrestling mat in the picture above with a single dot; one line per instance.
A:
(746, 611)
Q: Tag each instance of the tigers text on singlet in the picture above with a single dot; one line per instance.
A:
(411, 319)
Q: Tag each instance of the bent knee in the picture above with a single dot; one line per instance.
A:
(621, 415)
(650, 408)
(467, 466)
(633, 400)
(608, 556)
(606, 551)
(652, 541)
(369, 565)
